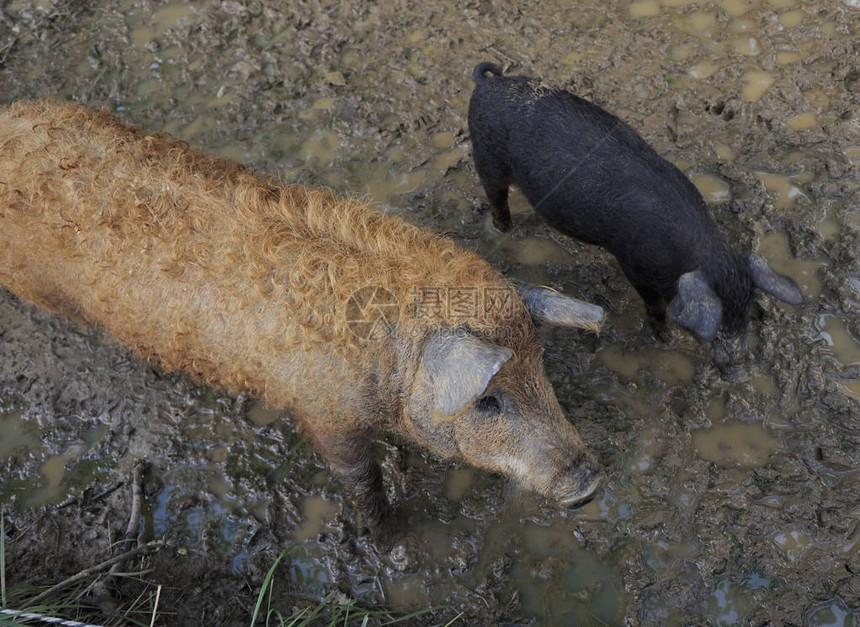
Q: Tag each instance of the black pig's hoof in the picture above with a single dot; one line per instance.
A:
(503, 225)
(660, 329)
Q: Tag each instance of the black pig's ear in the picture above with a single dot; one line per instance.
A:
(553, 308)
(457, 368)
(773, 283)
(696, 307)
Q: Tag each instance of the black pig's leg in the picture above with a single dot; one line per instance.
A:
(498, 196)
(496, 179)
(351, 460)
(655, 308)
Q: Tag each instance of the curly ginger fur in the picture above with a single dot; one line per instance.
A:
(191, 260)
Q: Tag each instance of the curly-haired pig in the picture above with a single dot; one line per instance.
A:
(352, 320)
(592, 177)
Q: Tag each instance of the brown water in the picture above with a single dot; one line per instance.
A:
(724, 502)
(735, 443)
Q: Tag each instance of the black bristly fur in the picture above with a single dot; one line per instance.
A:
(591, 176)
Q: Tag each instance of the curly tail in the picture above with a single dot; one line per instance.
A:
(478, 74)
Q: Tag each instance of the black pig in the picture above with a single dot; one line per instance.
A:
(592, 177)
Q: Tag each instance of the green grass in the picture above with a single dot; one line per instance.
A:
(65, 605)
(327, 613)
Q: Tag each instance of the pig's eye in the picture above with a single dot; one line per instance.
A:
(489, 404)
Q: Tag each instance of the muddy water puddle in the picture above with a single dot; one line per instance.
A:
(670, 367)
(741, 443)
(844, 346)
(17, 434)
(724, 502)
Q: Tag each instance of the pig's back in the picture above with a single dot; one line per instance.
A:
(187, 258)
(589, 174)
(596, 164)
(136, 234)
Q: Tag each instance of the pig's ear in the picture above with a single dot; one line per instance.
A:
(696, 307)
(457, 369)
(553, 308)
(773, 283)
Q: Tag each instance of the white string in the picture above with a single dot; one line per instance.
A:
(45, 619)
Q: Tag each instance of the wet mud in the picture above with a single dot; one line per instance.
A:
(725, 502)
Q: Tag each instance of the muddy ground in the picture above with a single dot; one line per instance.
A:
(726, 502)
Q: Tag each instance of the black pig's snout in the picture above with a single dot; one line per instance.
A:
(729, 354)
(731, 372)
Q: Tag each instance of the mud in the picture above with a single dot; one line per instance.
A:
(726, 502)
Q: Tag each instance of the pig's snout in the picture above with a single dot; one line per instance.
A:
(728, 354)
(576, 482)
(730, 372)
